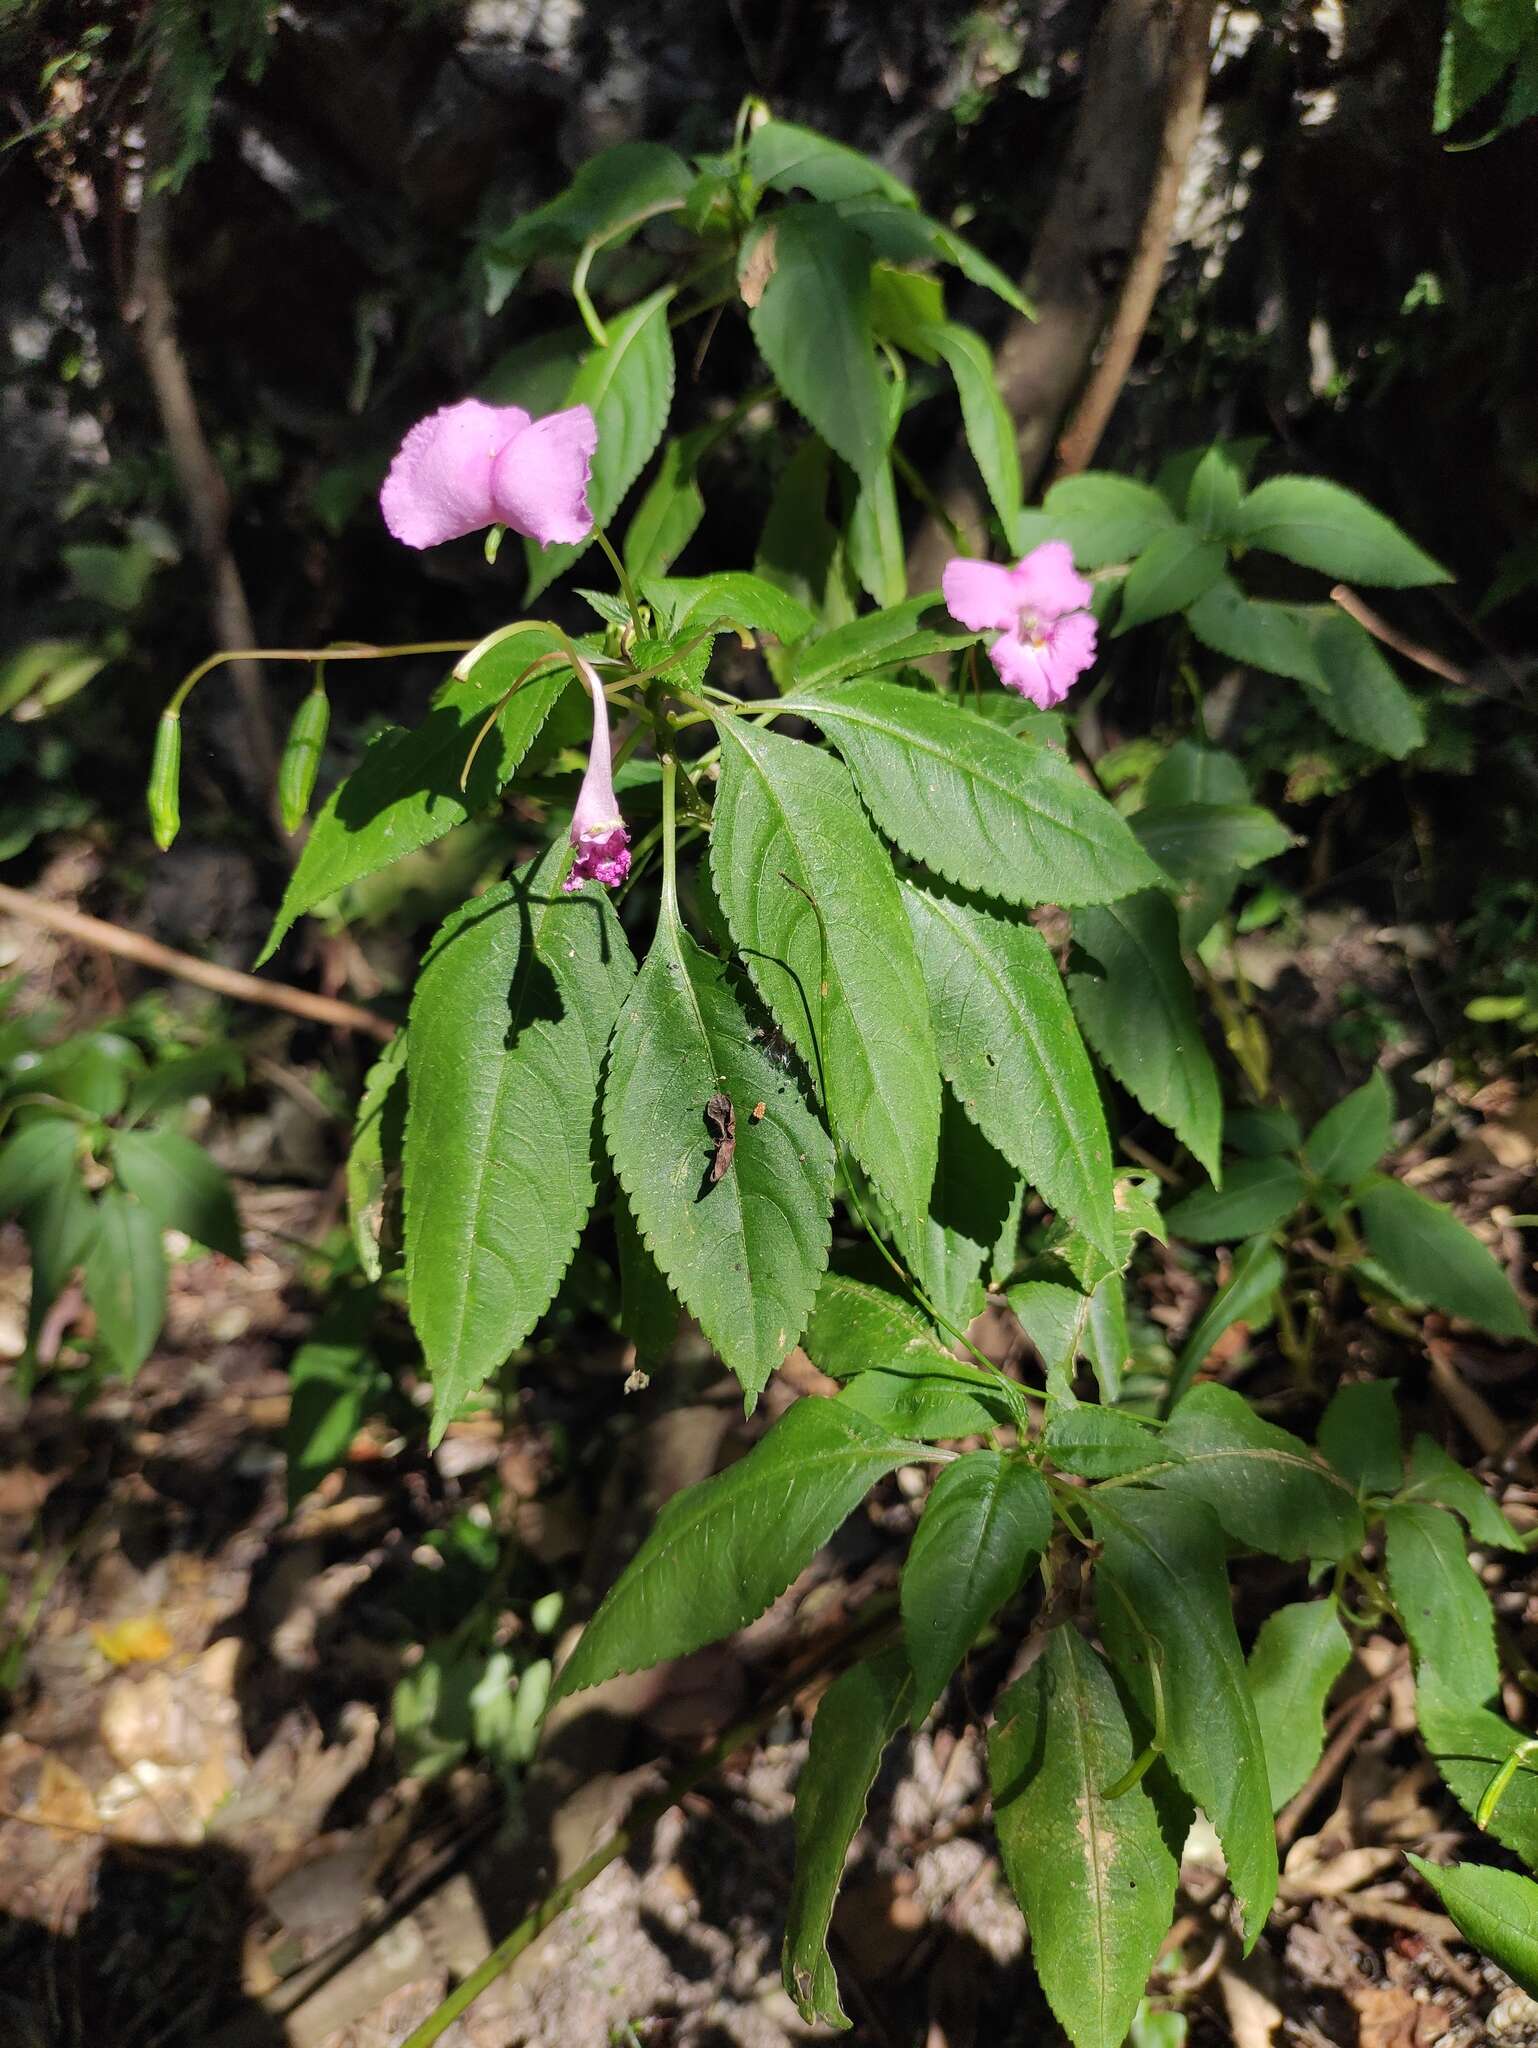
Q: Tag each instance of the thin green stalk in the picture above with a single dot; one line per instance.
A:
(348, 651)
(626, 586)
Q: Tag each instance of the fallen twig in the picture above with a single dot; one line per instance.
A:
(223, 981)
(1380, 629)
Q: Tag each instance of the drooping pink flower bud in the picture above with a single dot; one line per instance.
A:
(472, 465)
(598, 832)
(1040, 610)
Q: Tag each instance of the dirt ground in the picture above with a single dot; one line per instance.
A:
(207, 1835)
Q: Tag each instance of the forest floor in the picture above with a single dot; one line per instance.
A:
(208, 1836)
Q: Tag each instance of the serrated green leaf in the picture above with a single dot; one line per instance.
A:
(814, 908)
(669, 514)
(180, 1186)
(1140, 1017)
(812, 325)
(1331, 529)
(975, 1189)
(1264, 1485)
(1351, 1138)
(1470, 1746)
(1434, 1476)
(720, 1552)
(1101, 1443)
(1197, 840)
(509, 1022)
(1496, 1909)
(855, 1327)
(1192, 774)
(1470, 67)
(1105, 518)
(733, 597)
(1247, 1296)
(856, 1719)
(1095, 1876)
(1008, 817)
(1427, 1251)
(1275, 638)
(877, 640)
(1359, 1434)
(1261, 1133)
(790, 158)
(375, 1153)
(125, 1279)
(1300, 1652)
(873, 538)
(1256, 1195)
(1356, 689)
(1009, 1047)
(800, 550)
(1135, 1214)
(1162, 1589)
(1171, 571)
(899, 233)
(1212, 499)
(934, 1399)
(745, 1252)
(61, 1227)
(986, 420)
(332, 1377)
(1438, 1597)
(608, 189)
(1064, 1324)
(178, 1080)
(34, 1158)
(987, 1520)
(405, 791)
(628, 387)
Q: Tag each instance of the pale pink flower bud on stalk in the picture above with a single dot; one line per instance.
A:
(472, 465)
(1040, 610)
(598, 832)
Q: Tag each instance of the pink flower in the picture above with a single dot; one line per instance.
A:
(598, 832)
(1040, 610)
(472, 465)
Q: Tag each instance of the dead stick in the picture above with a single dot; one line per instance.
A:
(1186, 91)
(224, 981)
(1380, 629)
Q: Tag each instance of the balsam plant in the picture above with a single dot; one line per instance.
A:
(768, 1001)
(96, 1171)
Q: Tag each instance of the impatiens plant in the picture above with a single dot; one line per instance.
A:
(769, 1014)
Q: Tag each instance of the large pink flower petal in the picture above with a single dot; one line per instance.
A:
(439, 485)
(982, 596)
(1047, 582)
(1069, 651)
(1023, 667)
(539, 480)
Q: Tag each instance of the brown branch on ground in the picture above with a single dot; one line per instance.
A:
(223, 981)
(1185, 93)
(150, 311)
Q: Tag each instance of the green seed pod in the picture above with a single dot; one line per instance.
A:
(164, 793)
(301, 757)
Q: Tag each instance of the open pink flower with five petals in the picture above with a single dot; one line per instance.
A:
(472, 465)
(1040, 610)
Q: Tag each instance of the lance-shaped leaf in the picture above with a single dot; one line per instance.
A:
(1140, 1016)
(1094, 1875)
(1009, 1047)
(1441, 1602)
(812, 324)
(509, 1022)
(1256, 1195)
(1473, 1747)
(180, 1186)
(1101, 1443)
(1194, 841)
(859, 1328)
(1162, 1597)
(976, 1189)
(648, 1309)
(995, 812)
(1326, 527)
(856, 1719)
(405, 792)
(720, 1552)
(1351, 1138)
(1496, 1909)
(1266, 1487)
(1434, 1476)
(1359, 1434)
(628, 387)
(744, 1250)
(125, 1279)
(813, 904)
(989, 427)
(732, 597)
(1247, 1296)
(1064, 1324)
(1356, 689)
(904, 632)
(986, 1521)
(1428, 1252)
(1300, 1652)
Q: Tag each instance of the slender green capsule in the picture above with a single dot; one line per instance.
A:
(301, 757)
(164, 793)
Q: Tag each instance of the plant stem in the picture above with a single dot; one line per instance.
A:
(622, 573)
(357, 652)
